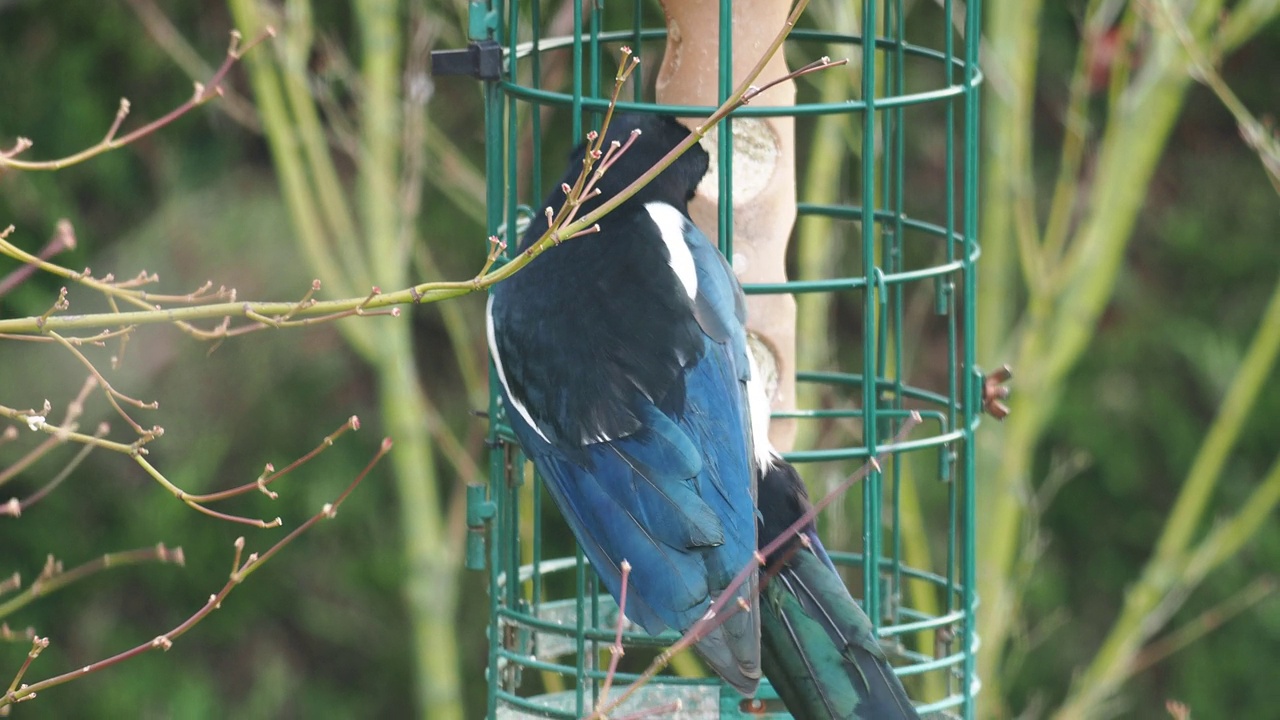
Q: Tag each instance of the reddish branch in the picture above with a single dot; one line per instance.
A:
(21, 692)
(204, 92)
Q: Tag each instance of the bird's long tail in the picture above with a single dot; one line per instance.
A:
(818, 647)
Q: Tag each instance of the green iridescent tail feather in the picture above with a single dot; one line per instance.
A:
(818, 647)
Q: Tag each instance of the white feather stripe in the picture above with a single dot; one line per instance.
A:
(758, 407)
(670, 222)
(502, 376)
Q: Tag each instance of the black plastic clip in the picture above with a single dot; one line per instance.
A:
(481, 59)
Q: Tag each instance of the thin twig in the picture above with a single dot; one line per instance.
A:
(1260, 589)
(1259, 137)
(564, 225)
(203, 94)
(53, 578)
(270, 475)
(64, 238)
(20, 692)
(616, 651)
(75, 409)
(114, 396)
(167, 37)
(16, 507)
(38, 644)
(35, 420)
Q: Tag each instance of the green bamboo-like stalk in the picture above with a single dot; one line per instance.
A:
(816, 247)
(321, 173)
(1176, 567)
(1013, 37)
(1067, 292)
(431, 567)
(1058, 326)
(277, 122)
(352, 255)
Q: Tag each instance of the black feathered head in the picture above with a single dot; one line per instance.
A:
(658, 135)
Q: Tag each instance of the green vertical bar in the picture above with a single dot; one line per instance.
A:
(580, 631)
(870, 427)
(577, 71)
(593, 591)
(494, 194)
(496, 462)
(536, 509)
(593, 85)
(946, 291)
(724, 138)
(512, 492)
(637, 23)
(894, 21)
(589, 657)
(506, 532)
(580, 571)
(535, 110)
(513, 126)
(973, 32)
(946, 301)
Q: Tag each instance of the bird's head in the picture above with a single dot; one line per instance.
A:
(658, 135)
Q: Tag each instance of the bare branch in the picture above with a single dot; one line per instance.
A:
(75, 409)
(203, 94)
(64, 238)
(53, 578)
(20, 692)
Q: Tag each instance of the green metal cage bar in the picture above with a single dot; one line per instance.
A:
(549, 622)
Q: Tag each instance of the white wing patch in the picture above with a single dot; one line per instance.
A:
(502, 376)
(670, 222)
(758, 407)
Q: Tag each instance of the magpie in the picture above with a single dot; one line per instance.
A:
(623, 361)
(819, 649)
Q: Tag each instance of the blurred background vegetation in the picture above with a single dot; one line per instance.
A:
(361, 616)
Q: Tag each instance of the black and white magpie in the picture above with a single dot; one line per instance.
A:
(623, 361)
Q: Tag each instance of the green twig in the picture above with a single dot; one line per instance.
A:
(270, 95)
(1260, 589)
(1259, 137)
(53, 578)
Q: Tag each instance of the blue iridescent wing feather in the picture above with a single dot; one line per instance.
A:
(636, 419)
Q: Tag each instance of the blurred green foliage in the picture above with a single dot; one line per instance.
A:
(321, 631)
